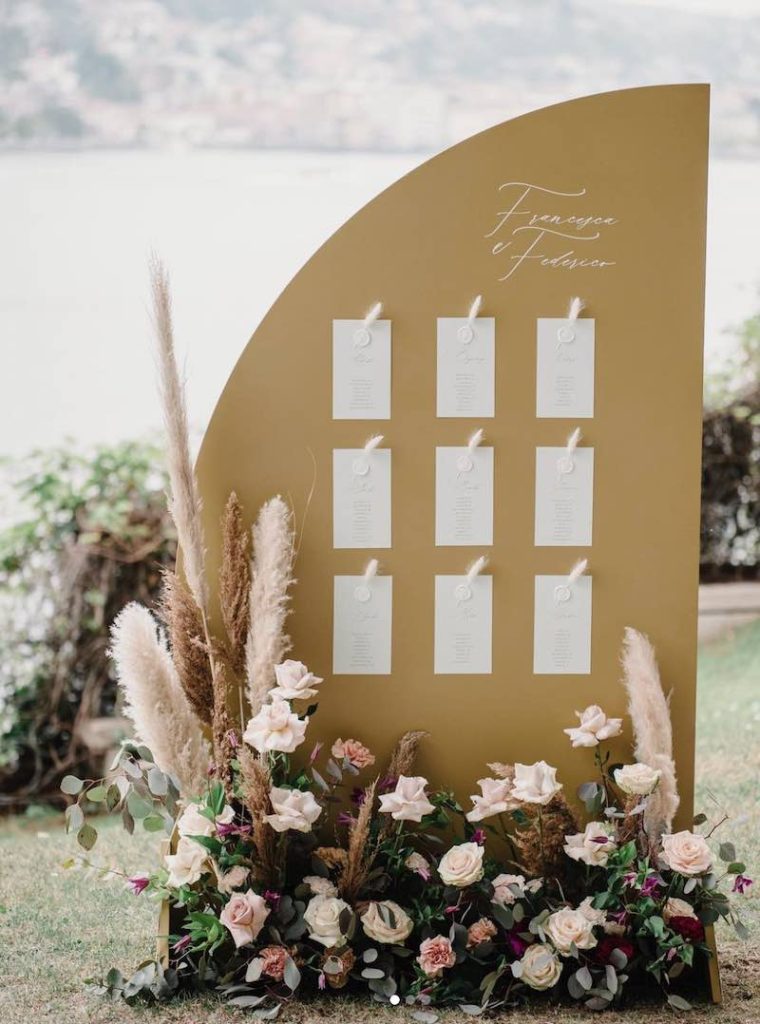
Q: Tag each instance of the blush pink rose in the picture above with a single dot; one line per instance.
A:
(244, 916)
(435, 956)
(354, 751)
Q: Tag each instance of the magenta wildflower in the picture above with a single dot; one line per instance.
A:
(273, 898)
(479, 837)
(233, 739)
(229, 828)
(321, 981)
(181, 944)
(315, 752)
(138, 884)
(358, 796)
(344, 818)
(741, 884)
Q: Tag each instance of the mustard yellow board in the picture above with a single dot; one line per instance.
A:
(604, 198)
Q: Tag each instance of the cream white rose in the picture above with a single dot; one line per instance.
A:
(590, 912)
(192, 823)
(592, 846)
(462, 865)
(322, 916)
(294, 681)
(235, 878)
(567, 928)
(186, 865)
(275, 727)
(594, 727)
(540, 967)
(244, 916)
(637, 779)
(504, 887)
(387, 922)
(409, 800)
(535, 783)
(677, 908)
(292, 810)
(687, 853)
(495, 799)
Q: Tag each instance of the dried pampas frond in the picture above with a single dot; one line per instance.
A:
(255, 785)
(652, 729)
(271, 577)
(188, 645)
(221, 728)
(184, 501)
(154, 699)
(360, 854)
(235, 582)
(405, 754)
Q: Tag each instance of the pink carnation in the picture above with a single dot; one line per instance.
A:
(481, 931)
(435, 955)
(275, 958)
(354, 751)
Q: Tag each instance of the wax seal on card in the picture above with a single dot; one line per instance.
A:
(466, 334)
(562, 593)
(565, 465)
(465, 464)
(462, 592)
(565, 335)
(362, 337)
(360, 466)
(362, 593)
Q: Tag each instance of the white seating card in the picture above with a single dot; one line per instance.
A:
(562, 626)
(463, 496)
(565, 368)
(361, 498)
(463, 620)
(361, 370)
(564, 497)
(362, 613)
(466, 367)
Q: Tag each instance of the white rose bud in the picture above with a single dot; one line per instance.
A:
(637, 779)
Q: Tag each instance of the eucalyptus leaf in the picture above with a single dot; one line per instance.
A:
(157, 782)
(87, 836)
(71, 785)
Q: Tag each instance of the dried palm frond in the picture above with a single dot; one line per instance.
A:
(235, 582)
(188, 645)
(255, 786)
(271, 577)
(652, 729)
(154, 699)
(184, 500)
(361, 853)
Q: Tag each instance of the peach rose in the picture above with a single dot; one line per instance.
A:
(409, 800)
(294, 681)
(481, 931)
(436, 955)
(567, 928)
(593, 846)
(535, 783)
(355, 753)
(594, 727)
(495, 798)
(244, 916)
(539, 967)
(687, 853)
(320, 886)
(461, 865)
(504, 889)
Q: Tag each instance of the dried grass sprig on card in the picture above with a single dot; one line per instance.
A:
(235, 582)
(154, 698)
(184, 501)
(361, 853)
(188, 645)
(652, 729)
(271, 578)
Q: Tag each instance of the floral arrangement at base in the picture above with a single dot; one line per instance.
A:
(297, 871)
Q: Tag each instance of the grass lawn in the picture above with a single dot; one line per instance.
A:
(58, 927)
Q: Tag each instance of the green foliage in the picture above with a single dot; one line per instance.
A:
(86, 533)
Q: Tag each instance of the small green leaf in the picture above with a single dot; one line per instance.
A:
(291, 975)
(87, 836)
(678, 1002)
(157, 782)
(153, 823)
(727, 852)
(71, 785)
(699, 819)
(97, 794)
(74, 818)
(736, 868)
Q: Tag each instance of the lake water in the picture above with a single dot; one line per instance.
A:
(234, 227)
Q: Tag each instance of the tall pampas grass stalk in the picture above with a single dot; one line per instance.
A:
(184, 501)
(652, 729)
(154, 698)
(271, 578)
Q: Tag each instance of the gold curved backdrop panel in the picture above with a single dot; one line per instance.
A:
(624, 176)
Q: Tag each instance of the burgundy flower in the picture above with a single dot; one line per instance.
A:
(479, 837)
(229, 828)
(607, 946)
(689, 928)
(651, 886)
(517, 944)
(387, 784)
(181, 944)
(358, 796)
(138, 884)
(346, 819)
(273, 898)
(741, 884)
